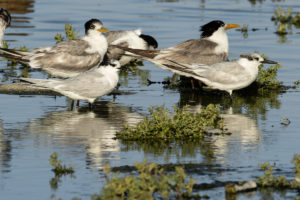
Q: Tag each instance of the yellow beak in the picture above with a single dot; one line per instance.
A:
(102, 29)
(229, 26)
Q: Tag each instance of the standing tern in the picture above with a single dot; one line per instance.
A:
(87, 86)
(67, 58)
(211, 48)
(227, 76)
(5, 20)
(129, 38)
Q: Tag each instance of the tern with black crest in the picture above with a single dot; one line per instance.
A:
(211, 48)
(67, 58)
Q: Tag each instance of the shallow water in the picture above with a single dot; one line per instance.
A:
(33, 127)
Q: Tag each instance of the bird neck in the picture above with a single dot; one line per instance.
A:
(97, 42)
(251, 67)
(111, 73)
(220, 37)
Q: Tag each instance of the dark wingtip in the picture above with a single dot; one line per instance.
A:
(151, 41)
(4, 14)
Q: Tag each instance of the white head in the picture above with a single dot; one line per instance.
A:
(255, 58)
(94, 26)
(115, 64)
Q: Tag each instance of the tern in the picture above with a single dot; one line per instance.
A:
(211, 48)
(87, 86)
(226, 76)
(5, 20)
(128, 38)
(67, 58)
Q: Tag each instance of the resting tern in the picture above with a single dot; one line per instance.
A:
(227, 76)
(67, 58)
(88, 85)
(211, 48)
(130, 38)
(5, 20)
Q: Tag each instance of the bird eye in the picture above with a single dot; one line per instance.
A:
(92, 26)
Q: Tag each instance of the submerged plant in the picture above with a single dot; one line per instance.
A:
(182, 125)
(151, 182)
(58, 168)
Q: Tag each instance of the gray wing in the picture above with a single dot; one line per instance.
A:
(194, 51)
(90, 84)
(66, 55)
(114, 52)
(114, 35)
(225, 73)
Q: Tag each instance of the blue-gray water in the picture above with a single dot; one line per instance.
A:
(33, 127)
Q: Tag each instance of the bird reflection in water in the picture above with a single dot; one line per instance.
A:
(92, 130)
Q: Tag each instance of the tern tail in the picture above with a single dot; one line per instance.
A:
(15, 55)
(150, 54)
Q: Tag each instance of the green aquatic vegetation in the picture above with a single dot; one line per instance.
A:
(151, 182)
(70, 33)
(183, 125)
(296, 161)
(280, 15)
(58, 168)
(278, 182)
(269, 180)
(296, 83)
(11, 65)
(284, 19)
(267, 77)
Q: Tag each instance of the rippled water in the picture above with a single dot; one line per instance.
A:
(33, 127)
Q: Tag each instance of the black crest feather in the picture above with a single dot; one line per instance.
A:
(90, 24)
(4, 14)
(209, 28)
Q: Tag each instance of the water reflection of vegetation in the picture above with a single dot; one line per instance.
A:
(132, 68)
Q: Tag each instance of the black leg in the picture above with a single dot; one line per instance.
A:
(192, 82)
(72, 104)
(90, 106)
(77, 103)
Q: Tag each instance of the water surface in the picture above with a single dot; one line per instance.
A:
(33, 127)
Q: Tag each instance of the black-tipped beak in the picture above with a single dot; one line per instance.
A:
(270, 62)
